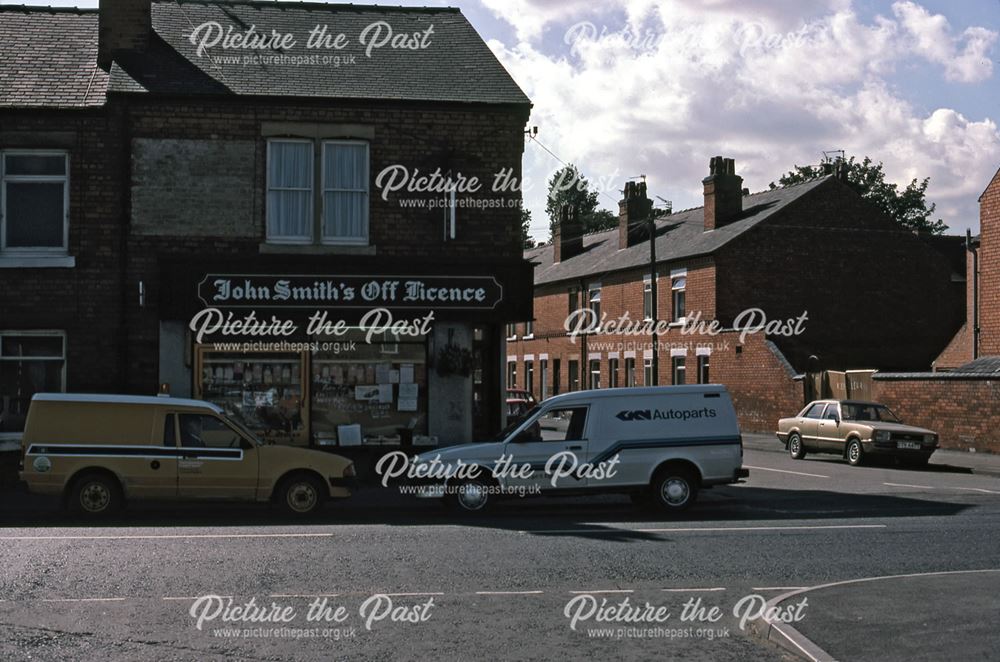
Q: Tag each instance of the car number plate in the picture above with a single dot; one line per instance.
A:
(912, 445)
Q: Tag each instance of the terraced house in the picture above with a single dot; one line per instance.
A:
(155, 169)
(809, 270)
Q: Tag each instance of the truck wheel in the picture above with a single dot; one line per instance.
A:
(95, 495)
(855, 452)
(795, 448)
(472, 496)
(301, 495)
(674, 489)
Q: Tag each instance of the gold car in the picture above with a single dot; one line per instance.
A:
(854, 430)
(99, 451)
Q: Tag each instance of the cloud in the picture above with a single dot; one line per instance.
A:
(965, 58)
(658, 87)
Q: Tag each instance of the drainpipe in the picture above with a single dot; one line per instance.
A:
(975, 293)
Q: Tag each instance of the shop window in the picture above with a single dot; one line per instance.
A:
(678, 286)
(679, 370)
(594, 299)
(703, 366)
(595, 373)
(629, 372)
(529, 376)
(34, 202)
(574, 375)
(30, 362)
(613, 373)
(292, 180)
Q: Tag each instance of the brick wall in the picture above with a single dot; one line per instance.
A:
(965, 411)
(876, 297)
(989, 268)
(85, 301)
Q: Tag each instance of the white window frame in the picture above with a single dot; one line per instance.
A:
(647, 298)
(350, 241)
(594, 296)
(512, 331)
(35, 179)
(647, 372)
(613, 373)
(674, 290)
(678, 364)
(594, 383)
(288, 240)
(49, 333)
(529, 330)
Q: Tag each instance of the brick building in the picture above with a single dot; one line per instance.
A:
(838, 280)
(149, 176)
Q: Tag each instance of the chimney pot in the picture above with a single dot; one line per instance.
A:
(122, 25)
(723, 193)
(567, 235)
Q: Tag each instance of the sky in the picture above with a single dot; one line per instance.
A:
(623, 88)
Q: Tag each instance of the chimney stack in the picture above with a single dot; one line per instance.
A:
(633, 213)
(723, 193)
(122, 25)
(567, 235)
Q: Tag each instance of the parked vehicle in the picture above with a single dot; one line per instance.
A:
(658, 444)
(854, 430)
(99, 451)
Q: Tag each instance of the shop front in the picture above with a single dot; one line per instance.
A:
(348, 359)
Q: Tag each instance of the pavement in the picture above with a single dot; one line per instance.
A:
(502, 584)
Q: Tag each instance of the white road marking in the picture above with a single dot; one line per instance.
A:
(977, 489)
(614, 590)
(83, 599)
(708, 529)
(509, 592)
(920, 487)
(409, 595)
(690, 590)
(776, 588)
(224, 597)
(785, 471)
(303, 595)
(179, 536)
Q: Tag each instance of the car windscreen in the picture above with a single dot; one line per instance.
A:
(868, 413)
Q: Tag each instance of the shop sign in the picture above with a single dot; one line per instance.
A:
(322, 291)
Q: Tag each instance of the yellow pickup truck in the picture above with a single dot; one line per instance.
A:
(100, 451)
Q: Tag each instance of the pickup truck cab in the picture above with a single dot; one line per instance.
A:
(99, 451)
(658, 444)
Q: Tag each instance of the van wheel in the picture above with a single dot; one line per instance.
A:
(855, 453)
(95, 495)
(795, 448)
(471, 496)
(674, 488)
(301, 495)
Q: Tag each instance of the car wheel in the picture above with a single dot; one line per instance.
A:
(301, 495)
(95, 495)
(674, 489)
(795, 448)
(472, 496)
(855, 452)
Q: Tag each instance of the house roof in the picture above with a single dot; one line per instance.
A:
(48, 58)
(678, 236)
(986, 365)
(456, 65)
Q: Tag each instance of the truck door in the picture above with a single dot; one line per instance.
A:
(216, 462)
(556, 433)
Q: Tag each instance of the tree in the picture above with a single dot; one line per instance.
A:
(907, 207)
(568, 186)
(526, 240)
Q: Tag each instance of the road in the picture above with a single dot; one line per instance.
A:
(499, 586)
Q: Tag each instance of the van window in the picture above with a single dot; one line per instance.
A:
(200, 431)
(563, 424)
(169, 438)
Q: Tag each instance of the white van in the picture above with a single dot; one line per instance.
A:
(660, 444)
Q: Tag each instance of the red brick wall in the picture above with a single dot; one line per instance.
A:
(876, 297)
(989, 268)
(964, 412)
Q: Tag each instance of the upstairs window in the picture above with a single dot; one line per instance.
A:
(34, 201)
(293, 179)
(594, 299)
(678, 286)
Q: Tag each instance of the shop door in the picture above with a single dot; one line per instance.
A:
(486, 421)
(215, 462)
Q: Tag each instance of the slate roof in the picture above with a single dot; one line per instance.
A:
(48, 57)
(986, 365)
(678, 236)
